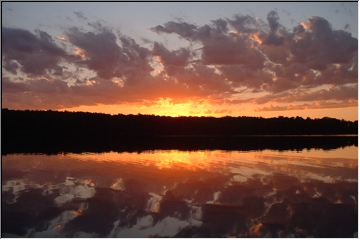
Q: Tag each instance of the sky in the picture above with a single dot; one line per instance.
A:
(194, 59)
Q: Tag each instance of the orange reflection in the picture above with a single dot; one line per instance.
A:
(57, 227)
(327, 166)
(77, 213)
(235, 162)
(182, 159)
(159, 159)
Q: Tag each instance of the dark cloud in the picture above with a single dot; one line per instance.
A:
(220, 24)
(241, 76)
(319, 45)
(270, 57)
(185, 30)
(219, 47)
(36, 53)
(347, 27)
(173, 61)
(136, 66)
(224, 50)
(178, 58)
(80, 15)
(244, 24)
(101, 52)
(12, 66)
(311, 62)
(204, 79)
(273, 19)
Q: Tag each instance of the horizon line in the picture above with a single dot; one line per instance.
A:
(179, 116)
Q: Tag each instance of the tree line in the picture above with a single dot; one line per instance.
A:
(44, 129)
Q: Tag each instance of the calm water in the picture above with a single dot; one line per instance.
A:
(181, 194)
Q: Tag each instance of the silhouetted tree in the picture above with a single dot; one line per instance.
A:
(78, 130)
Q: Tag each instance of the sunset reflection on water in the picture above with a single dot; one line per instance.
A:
(181, 193)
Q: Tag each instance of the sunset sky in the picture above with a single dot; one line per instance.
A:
(198, 59)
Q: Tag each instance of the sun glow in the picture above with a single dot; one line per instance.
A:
(160, 107)
(198, 108)
(167, 107)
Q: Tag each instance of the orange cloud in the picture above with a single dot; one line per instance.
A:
(80, 52)
(217, 72)
(256, 38)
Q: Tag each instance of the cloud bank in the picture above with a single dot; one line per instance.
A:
(236, 60)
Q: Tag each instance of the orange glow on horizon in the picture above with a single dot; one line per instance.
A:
(169, 107)
(160, 107)
(166, 107)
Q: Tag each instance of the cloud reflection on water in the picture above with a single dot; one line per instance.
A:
(179, 193)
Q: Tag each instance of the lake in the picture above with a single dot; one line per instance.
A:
(176, 193)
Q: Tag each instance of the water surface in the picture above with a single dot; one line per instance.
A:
(172, 193)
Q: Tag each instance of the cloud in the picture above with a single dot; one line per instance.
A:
(179, 57)
(100, 50)
(224, 59)
(342, 93)
(318, 45)
(183, 29)
(34, 53)
(273, 37)
(241, 76)
(219, 47)
(109, 55)
(244, 24)
(312, 56)
(314, 105)
(80, 15)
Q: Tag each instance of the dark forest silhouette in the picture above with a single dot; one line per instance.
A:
(53, 131)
